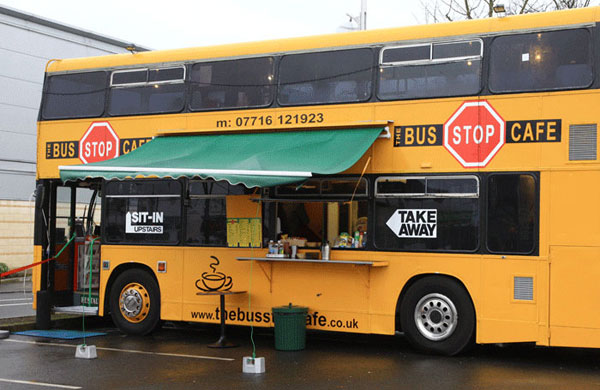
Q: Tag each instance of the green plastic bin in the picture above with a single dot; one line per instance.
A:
(290, 327)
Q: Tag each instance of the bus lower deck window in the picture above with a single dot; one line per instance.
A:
(511, 213)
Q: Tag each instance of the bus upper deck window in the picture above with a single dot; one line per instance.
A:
(231, 84)
(541, 61)
(456, 50)
(325, 77)
(129, 77)
(430, 70)
(76, 95)
(407, 53)
(147, 91)
(166, 74)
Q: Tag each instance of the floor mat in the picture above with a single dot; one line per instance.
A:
(60, 334)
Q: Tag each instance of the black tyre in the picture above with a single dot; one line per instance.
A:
(437, 316)
(135, 302)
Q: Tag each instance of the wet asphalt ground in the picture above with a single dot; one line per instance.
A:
(15, 299)
(177, 357)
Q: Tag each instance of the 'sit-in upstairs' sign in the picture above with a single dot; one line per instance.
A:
(144, 222)
(414, 223)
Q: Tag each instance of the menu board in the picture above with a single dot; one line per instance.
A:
(244, 232)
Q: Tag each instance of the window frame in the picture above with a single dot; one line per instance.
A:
(320, 196)
(186, 206)
(371, 78)
(590, 47)
(143, 86)
(427, 195)
(275, 68)
(481, 209)
(431, 60)
(104, 212)
(148, 70)
(45, 94)
(536, 221)
(189, 196)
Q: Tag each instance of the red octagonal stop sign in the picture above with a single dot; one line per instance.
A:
(474, 133)
(99, 143)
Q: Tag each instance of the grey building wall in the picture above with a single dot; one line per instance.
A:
(27, 42)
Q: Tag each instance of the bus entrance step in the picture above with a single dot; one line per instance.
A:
(89, 310)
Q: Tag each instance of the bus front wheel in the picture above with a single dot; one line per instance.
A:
(437, 316)
(135, 302)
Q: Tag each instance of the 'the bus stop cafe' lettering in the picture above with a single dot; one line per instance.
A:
(475, 132)
(544, 130)
(70, 149)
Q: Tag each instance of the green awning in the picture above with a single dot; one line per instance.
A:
(255, 160)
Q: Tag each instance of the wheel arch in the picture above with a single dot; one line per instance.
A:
(121, 268)
(418, 277)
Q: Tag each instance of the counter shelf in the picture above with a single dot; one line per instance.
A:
(288, 260)
(364, 267)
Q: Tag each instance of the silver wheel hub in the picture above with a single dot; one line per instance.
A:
(436, 317)
(131, 302)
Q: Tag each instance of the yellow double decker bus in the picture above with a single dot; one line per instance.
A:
(436, 180)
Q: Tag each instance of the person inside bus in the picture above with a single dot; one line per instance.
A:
(295, 221)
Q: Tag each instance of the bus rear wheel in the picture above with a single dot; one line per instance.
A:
(135, 302)
(437, 316)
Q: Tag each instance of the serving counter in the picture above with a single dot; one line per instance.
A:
(289, 260)
(267, 263)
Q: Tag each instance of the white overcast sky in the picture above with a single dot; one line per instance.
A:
(167, 24)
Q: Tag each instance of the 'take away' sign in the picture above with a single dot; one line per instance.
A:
(414, 223)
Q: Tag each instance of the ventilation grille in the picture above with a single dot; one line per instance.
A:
(523, 288)
(582, 142)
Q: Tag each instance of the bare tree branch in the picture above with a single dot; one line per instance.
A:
(524, 6)
(468, 10)
(450, 10)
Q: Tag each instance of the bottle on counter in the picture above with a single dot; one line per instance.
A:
(356, 241)
(271, 247)
(325, 251)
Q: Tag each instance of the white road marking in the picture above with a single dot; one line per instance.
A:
(16, 304)
(125, 350)
(16, 299)
(39, 384)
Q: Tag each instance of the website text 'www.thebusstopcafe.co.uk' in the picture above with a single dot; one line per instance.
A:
(312, 319)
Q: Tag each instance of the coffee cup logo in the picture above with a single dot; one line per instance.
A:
(215, 280)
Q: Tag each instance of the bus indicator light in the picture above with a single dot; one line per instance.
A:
(99, 143)
(474, 134)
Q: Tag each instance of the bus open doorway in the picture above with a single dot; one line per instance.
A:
(67, 231)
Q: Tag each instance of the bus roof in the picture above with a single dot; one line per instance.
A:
(408, 33)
